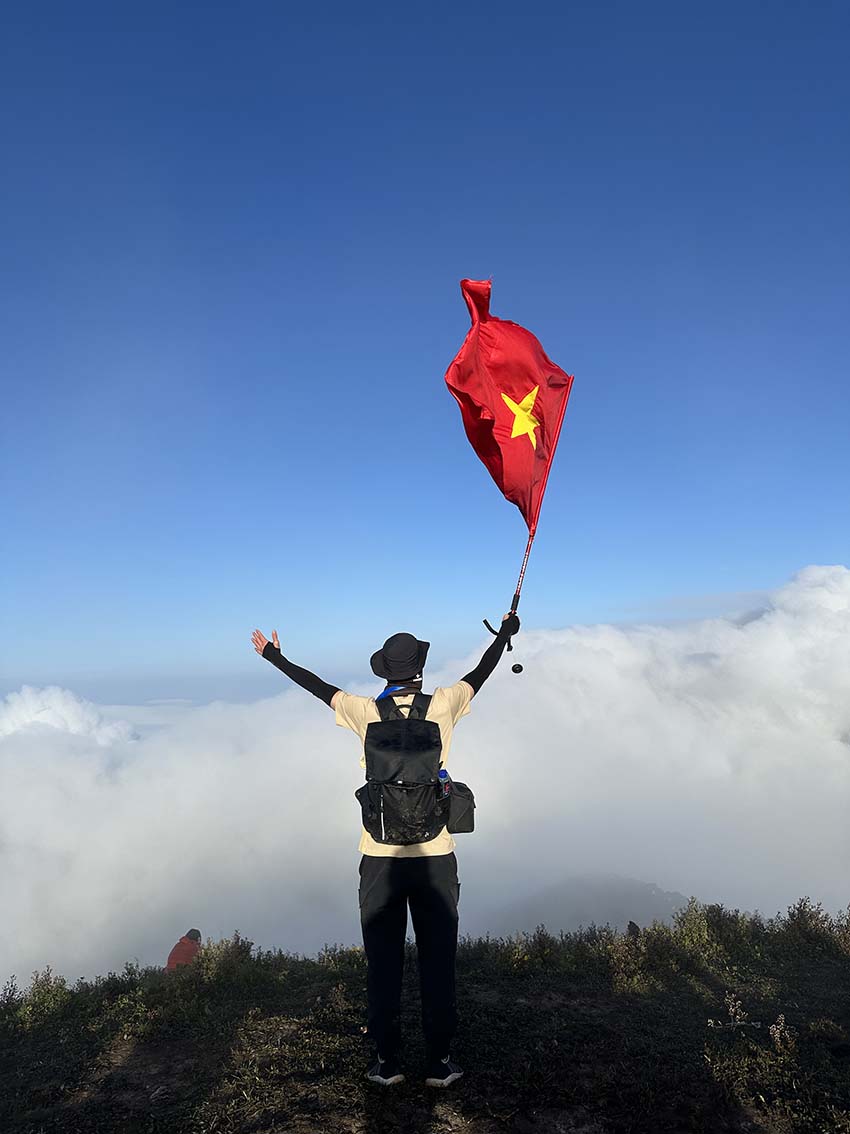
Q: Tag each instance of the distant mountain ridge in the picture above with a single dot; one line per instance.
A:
(584, 900)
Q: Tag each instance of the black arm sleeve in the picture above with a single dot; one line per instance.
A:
(302, 677)
(494, 651)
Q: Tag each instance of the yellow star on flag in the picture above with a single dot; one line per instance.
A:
(524, 419)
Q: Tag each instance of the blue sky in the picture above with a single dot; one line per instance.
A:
(232, 239)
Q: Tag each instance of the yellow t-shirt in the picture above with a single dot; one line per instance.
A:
(447, 707)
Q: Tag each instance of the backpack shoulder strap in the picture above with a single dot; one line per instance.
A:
(388, 709)
(421, 702)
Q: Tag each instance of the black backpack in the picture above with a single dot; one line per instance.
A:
(402, 800)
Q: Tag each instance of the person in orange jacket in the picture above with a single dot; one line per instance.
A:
(185, 951)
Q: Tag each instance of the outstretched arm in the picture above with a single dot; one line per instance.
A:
(490, 658)
(270, 650)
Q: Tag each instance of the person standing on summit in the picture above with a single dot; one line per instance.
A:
(409, 808)
(185, 951)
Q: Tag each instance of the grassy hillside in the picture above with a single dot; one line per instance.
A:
(720, 1022)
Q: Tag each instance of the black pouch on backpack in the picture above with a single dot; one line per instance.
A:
(401, 814)
(461, 809)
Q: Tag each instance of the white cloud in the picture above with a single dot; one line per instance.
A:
(710, 758)
(56, 710)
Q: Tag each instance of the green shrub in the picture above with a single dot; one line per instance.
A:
(809, 925)
(47, 997)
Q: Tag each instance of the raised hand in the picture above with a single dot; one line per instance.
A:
(512, 619)
(261, 641)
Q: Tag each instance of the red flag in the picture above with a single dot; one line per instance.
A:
(512, 398)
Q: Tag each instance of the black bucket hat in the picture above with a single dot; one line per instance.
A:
(402, 656)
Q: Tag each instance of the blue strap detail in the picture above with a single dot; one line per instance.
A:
(389, 692)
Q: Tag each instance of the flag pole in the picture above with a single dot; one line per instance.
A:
(518, 591)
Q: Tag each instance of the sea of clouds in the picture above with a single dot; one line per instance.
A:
(709, 757)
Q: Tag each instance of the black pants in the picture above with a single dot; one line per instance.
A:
(430, 886)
